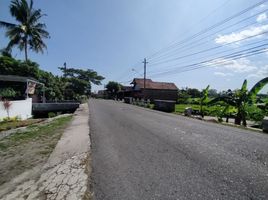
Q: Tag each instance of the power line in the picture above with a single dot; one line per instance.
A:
(213, 48)
(235, 55)
(224, 62)
(217, 53)
(211, 27)
(206, 37)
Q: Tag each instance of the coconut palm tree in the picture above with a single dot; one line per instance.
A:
(241, 98)
(28, 32)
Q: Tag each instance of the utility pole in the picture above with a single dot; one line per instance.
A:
(144, 79)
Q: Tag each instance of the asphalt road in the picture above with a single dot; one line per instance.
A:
(143, 154)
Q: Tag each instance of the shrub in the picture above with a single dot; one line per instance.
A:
(51, 114)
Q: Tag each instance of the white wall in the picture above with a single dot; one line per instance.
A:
(22, 109)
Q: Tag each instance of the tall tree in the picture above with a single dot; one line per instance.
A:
(113, 87)
(78, 81)
(28, 33)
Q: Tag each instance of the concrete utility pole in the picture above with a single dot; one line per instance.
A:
(144, 83)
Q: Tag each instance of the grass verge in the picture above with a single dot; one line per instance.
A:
(22, 151)
(15, 124)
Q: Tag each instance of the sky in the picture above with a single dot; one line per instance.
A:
(113, 37)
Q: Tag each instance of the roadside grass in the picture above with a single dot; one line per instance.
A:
(16, 124)
(210, 110)
(23, 151)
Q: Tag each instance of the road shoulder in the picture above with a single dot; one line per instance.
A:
(66, 173)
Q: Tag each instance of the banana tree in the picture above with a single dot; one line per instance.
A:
(203, 100)
(241, 98)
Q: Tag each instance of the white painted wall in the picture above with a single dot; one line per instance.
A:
(22, 109)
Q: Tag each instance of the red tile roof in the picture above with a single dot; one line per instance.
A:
(154, 85)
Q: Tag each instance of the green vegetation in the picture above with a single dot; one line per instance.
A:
(75, 84)
(241, 99)
(14, 122)
(7, 92)
(28, 33)
(37, 132)
(203, 100)
(112, 88)
(208, 110)
(23, 151)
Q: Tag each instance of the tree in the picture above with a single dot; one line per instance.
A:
(212, 93)
(78, 81)
(28, 31)
(113, 87)
(240, 99)
(203, 100)
(193, 92)
(11, 66)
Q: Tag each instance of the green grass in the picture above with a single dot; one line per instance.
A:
(35, 132)
(211, 110)
(15, 124)
(20, 152)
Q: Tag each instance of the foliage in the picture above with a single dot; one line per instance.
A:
(240, 99)
(28, 31)
(186, 94)
(11, 66)
(212, 93)
(74, 86)
(113, 87)
(77, 82)
(254, 113)
(7, 92)
(51, 115)
(204, 100)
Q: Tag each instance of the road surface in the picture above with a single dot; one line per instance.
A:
(144, 154)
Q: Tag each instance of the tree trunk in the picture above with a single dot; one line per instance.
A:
(25, 49)
(238, 120)
(244, 122)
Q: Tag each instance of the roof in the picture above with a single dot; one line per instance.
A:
(13, 78)
(126, 88)
(154, 85)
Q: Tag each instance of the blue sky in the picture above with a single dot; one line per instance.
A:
(113, 36)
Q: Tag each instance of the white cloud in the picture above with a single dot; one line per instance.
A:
(233, 37)
(260, 73)
(222, 74)
(262, 6)
(241, 65)
(262, 17)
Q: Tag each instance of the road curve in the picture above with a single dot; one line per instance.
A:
(143, 154)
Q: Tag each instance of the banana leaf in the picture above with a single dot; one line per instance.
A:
(256, 88)
(230, 101)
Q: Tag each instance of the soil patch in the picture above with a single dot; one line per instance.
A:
(20, 152)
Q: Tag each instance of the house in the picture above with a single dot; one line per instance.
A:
(154, 90)
(125, 91)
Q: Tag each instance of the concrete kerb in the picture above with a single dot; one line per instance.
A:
(67, 171)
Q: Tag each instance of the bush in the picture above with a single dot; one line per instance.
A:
(51, 115)
(255, 114)
(7, 92)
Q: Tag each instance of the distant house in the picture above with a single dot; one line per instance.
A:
(125, 91)
(154, 90)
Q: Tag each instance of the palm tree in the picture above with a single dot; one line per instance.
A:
(28, 32)
(241, 98)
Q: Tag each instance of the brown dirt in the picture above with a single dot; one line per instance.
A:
(23, 151)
